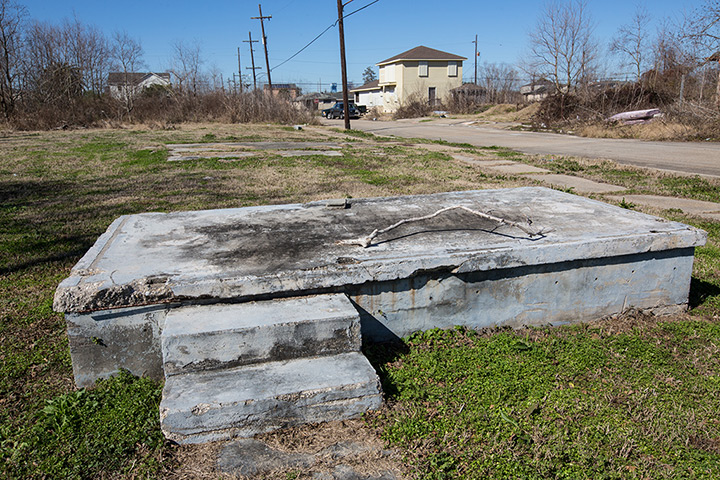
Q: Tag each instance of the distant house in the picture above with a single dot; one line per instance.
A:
(369, 94)
(123, 85)
(318, 101)
(421, 73)
(537, 90)
(285, 90)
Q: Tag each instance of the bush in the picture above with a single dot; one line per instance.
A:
(415, 106)
(158, 105)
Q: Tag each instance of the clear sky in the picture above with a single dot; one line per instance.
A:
(378, 32)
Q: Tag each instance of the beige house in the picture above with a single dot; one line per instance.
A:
(421, 73)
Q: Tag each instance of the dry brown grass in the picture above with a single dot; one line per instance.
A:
(658, 130)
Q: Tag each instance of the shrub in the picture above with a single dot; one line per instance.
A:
(415, 106)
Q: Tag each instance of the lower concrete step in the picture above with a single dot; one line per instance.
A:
(243, 401)
(207, 337)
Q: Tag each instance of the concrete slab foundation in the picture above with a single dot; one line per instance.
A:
(255, 316)
(593, 259)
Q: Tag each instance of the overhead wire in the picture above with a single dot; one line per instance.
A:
(321, 34)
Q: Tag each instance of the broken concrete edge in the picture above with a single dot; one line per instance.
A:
(103, 294)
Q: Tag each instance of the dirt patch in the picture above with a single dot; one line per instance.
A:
(314, 451)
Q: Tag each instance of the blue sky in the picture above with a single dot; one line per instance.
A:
(378, 32)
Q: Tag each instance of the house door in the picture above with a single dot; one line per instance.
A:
(431, 96)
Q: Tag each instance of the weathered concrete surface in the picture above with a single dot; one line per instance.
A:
(576, 183)
(103, 342)
(247, 456)
(516, 168)
(247, 400)
(205, 337)
(556, 293)
(281, 250)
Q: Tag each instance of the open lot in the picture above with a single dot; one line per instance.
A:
(630, 397)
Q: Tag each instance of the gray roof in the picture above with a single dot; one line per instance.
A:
(133, 78)
(374, 85)
(422, 53)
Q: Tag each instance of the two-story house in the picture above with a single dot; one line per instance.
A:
(421, 73)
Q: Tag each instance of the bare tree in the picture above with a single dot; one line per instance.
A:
(12, 16)
(186, 67)
(88, 49)
(703, 31)
(632, 41)
(127, 55)
(562, 47)
(499, 80)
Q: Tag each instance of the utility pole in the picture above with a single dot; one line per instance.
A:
(264, 41)
(240, 71)
(476, 57)
(343, 67)
(252, 59)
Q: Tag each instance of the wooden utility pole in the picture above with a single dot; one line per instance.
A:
(343, 67)
(476, 57)
(240, 71)
(252, 59)
(264, 41)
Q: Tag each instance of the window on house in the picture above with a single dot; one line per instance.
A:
(452, 69)
(423, 69)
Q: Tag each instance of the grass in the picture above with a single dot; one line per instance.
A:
(603, 400)
(60, 190)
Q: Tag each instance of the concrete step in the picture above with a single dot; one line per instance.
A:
(247, 400)
(208, 337)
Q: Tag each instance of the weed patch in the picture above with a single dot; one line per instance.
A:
(562, 402)
(85, 433)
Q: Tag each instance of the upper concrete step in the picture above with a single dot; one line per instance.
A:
(247, 400)
(220, 336)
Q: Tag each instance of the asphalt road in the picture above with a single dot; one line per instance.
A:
(687, 157)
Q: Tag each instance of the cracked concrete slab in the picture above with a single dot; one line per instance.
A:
(516, 169)
(578, 184)
(209, 155)
(236, 150)
(234, 253)
(308, 153)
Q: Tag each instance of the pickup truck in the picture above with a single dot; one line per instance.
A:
(336, 111)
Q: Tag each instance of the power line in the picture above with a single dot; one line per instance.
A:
(321, 34)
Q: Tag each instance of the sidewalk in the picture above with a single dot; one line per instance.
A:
(698, 208)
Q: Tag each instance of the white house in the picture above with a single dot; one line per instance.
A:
(123, 85)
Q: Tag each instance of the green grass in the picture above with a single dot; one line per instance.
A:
(692, 187)
(113, 428)
(565, 402)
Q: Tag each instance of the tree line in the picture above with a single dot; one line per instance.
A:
(52, 74)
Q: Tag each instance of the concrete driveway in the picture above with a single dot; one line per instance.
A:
(702, 158)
